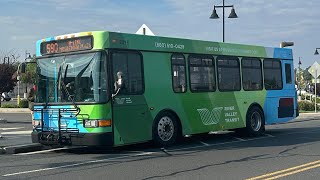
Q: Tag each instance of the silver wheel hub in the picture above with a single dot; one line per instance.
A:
(165, 128)
(256, 121)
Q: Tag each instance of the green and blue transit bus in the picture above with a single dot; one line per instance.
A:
(105, 88)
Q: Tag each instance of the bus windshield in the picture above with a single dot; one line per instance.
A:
(72, 78)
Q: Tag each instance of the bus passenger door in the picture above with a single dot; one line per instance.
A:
(130, 110)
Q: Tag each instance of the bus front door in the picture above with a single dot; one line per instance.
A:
(130, 114)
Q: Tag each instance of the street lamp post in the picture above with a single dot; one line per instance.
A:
(18, 79)
(299, 76)
(214, 15)
(27, 56)
(315, 86)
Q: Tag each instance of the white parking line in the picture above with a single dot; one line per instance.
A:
(240, 139)
(43, 151)
(206, 144)
(269, 135)
(77, 164)
(17, 132)
(223, 143)
(15, 136)
(7, 129)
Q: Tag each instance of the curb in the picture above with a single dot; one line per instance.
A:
(14, 110)
(306, 114)
(22, 148)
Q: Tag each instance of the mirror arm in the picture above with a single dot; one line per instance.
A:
(113, 95)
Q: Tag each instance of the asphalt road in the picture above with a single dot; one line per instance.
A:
(17, 130)
(286, 151)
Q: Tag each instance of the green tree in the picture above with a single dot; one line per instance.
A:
(306, 75)
(7, 83)
(30, 75)
(8, 66)
(299, 74)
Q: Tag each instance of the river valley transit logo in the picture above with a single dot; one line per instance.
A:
(210, 118)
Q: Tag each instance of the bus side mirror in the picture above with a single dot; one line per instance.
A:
(118, 84)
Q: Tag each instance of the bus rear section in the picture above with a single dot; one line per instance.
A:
(281, 100)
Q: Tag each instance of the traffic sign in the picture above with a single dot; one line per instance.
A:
(314, 70)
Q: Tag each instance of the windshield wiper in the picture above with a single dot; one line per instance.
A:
(76, 82)
(59, 84)
(70, 98)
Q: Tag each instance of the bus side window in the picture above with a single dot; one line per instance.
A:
(128, 65)
(272, 74)
(251, 74)
(179, 80)
(288, 73)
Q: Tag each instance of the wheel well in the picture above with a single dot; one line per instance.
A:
(175, 115)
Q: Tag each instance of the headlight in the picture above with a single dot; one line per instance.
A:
(90, 123)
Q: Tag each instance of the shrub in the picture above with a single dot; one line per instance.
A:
(307, 106)
(305, 97)
(318, 100)
(9, 106)
(23, 103)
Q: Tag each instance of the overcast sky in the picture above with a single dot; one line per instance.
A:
(260, 22)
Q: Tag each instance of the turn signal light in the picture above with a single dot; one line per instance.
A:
(104, 123)
(96, 123)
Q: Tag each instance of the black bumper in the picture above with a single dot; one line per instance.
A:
(73, 139)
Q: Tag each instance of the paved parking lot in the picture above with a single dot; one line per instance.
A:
(289, 151)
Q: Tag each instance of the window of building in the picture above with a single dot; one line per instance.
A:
(228, 73)
(179, 80)
(288, 74)
(202, 73)
(272, 74)
(251, 74)
(129, 66)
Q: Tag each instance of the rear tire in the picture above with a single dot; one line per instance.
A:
(165, 129)
(255, 122)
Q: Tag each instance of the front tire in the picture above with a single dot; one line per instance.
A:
(165, 129)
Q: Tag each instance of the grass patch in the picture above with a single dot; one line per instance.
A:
(9, 106)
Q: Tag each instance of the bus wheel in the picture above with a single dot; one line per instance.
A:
(165, 129)
(255, 122)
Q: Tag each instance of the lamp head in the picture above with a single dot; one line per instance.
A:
(214, 14)
(233, 14)
(286, 44)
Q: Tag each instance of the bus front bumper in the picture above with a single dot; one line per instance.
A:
(73, 139)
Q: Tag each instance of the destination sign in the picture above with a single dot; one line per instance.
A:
(67, 45)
